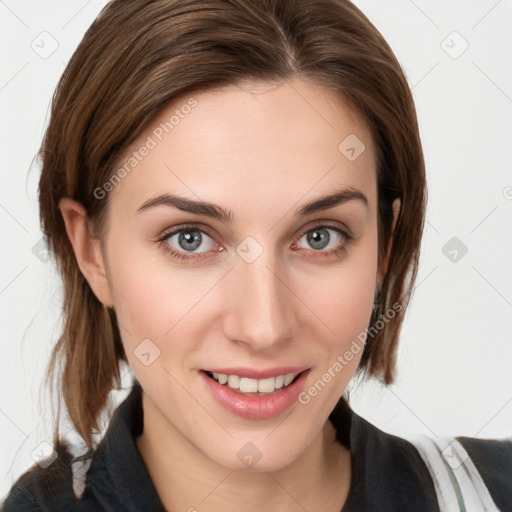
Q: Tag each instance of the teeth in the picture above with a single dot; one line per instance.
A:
(266, 385)
(234, 381)
(246, 385)
(221, 377)
(288, 378)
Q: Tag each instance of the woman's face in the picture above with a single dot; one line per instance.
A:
(246, 279)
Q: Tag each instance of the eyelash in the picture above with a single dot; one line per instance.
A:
(340, 250)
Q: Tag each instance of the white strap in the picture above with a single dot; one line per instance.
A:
(444, 457)
(470, 482)
(446, 495)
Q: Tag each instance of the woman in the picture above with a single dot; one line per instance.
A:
(235, 192)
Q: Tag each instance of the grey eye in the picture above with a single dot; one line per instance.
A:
(318, 238)
(322, 238)
(189, 240)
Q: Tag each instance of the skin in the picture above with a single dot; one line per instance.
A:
(260, 150)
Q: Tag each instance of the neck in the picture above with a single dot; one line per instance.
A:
(319, 479)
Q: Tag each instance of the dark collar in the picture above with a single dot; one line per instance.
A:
(118, 475)
(388, 474)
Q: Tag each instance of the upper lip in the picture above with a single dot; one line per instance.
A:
(258, 373)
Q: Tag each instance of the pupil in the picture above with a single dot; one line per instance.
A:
(319, 238)
(189, 240)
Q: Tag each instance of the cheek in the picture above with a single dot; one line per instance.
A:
(140, 291)
(343, 297)
(155, 299)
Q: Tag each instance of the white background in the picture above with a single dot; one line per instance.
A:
(455, 356)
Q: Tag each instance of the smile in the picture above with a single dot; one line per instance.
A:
(256, 387)
(255, 398)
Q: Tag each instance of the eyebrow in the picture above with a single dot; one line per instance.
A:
(217, 212)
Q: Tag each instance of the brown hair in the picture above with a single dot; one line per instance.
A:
(138, 55)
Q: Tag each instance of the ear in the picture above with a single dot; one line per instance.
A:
(87, 249)
(383, 266)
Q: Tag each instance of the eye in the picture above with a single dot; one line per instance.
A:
(325, 239)
(187, 240)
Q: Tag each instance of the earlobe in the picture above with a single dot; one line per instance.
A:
(87, 249)
(383, 267)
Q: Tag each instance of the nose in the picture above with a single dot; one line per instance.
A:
(261, 305)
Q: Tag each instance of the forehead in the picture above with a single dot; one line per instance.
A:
(254, 141)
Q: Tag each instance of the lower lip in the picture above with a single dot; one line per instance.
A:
(256, 407)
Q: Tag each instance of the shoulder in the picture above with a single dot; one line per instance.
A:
(493, 461)
(388, 472)
(469, 471)
(21, 496)
(392, 473)
(110, 477)
(44, 487)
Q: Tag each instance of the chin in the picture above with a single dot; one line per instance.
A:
(255, 456)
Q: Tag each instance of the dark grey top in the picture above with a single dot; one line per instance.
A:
(388, 473)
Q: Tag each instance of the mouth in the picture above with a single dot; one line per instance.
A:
(254, 387)
(253, 398)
